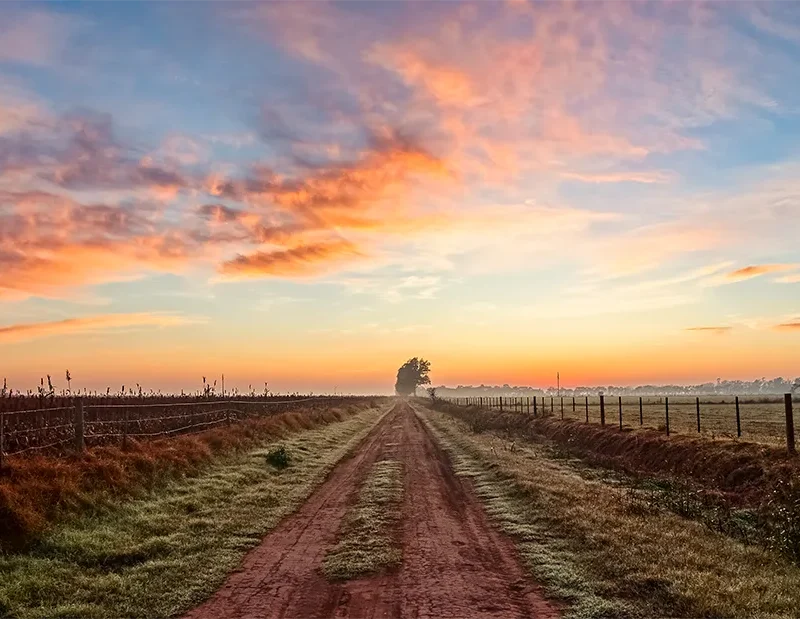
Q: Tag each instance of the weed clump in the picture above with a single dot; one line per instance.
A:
(278, 457)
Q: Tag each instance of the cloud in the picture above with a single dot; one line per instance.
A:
(710, 330)
(618, 177)
(756, 270)
(788, 326)
(298, 261)
(90, 324)
(35, 37)
(793, 278)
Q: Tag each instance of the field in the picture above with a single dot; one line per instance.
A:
(387, 507)
(761, 418)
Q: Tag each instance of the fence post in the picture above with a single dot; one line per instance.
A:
(587, 408)
(573, 404)
(528, 404)
(501, 404)
(641, 416)
(697, 402)
(787, 399)
(602, 410)
(2, 436)
(551, 405)
(738, 419)
(620, 412)
(562, 407)
(534, 407)
(125, 429)
(79, 442)
(666, 409)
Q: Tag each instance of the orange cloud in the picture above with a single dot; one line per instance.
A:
(752, 271)
(788, 326)
(711, 330)
(302, 260)
(35, 330)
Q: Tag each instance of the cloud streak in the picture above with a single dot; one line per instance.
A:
(756, 270)
(90, 324)
(710, 330)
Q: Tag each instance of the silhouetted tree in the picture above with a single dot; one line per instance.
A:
(411, 375)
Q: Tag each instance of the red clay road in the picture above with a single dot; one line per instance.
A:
(455, 563)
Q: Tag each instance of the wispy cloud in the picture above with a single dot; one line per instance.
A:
(756, 270)
(90, 324)
(710, 330)
(36, 37)
(618, 177)
(788, 326)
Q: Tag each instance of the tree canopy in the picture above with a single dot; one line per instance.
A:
(411, 375)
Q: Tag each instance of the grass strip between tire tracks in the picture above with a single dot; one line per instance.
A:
(590, 546)
(168, 551)
(366, 544)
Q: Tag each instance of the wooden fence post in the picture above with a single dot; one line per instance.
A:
(738, 419)
(787, 399)
(573, 404)
(501, 404)
(79, 442)
(587, 408)
(528, 404)
(697, 402)
(551, 405)
(620, 412)
(125, 429)
(666, 410)
(2, 436)
(562, 407)
(641, 415)
(602, 410)
(535, 412)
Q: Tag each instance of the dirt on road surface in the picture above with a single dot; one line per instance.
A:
(455, 563)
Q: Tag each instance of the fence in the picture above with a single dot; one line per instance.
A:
(768, 420)
(106, 420)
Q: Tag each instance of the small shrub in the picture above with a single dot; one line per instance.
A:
(279, 457)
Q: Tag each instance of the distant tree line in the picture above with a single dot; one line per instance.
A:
(774, 386)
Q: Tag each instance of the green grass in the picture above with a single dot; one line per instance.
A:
(163, 554)
(366, 543)
(593, 547)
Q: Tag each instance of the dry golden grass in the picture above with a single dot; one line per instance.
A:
(599, 551)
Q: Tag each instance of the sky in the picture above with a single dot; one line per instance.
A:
(307, 194)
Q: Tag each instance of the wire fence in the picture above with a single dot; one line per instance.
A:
(98, 421)
(756, 418)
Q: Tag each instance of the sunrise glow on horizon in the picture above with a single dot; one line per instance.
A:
(308, 194)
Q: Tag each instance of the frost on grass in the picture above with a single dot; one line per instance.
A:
(169, 550)
(366, 542)
(582, 542)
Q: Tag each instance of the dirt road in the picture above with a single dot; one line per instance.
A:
(455, 563)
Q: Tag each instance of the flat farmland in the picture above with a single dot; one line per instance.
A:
(386, 508)
(761, 419)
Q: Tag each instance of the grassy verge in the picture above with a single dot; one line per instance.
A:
(592, 546)
(168, 550)
(366, 544)
(38, 491)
